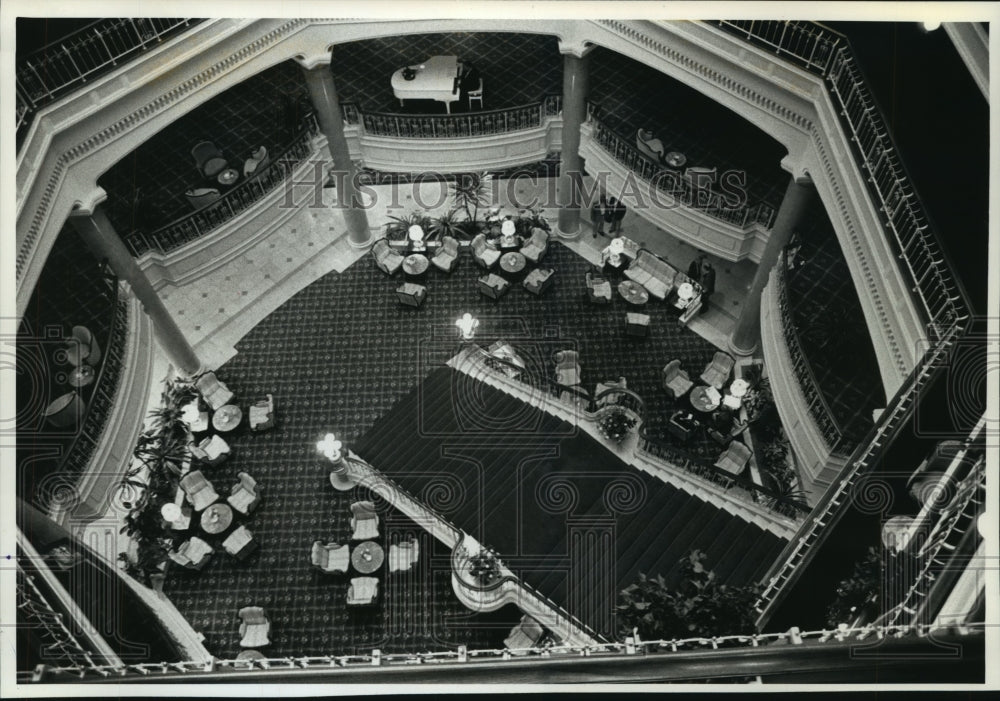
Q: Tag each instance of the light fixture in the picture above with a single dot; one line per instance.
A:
(467, 326)
(616, 248)
(930, 25)
(331, 449)
(416, 235)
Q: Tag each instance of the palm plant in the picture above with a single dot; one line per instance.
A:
(469, 192)
(448, 224)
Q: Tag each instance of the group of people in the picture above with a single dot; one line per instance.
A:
(607, 210)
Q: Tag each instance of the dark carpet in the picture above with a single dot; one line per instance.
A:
(563, 511)
(337, 356)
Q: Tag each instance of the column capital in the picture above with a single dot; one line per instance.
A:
(87, 205)
(795, 166)
(575, 47)
(315, 59)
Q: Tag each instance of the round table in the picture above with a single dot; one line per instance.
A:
(228, 176)
(81, 376)
(216, 518)
(701, 401)
(367, 557)
(633, 292)
(513, 262)
(227, 418)
(415, 264)
(675, 159)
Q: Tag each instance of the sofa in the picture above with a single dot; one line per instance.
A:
(653, 273)
(387, 260)
(536, 246)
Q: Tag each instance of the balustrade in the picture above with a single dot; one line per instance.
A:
(456, 126)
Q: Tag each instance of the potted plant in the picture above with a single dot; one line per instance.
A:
(615, 423)
(484, 566)
(469, 192)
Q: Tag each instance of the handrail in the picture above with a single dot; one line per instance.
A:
(679, 188)
(251, 190)
(657, 448)
(454, 126)
(32, 605)
(824, 52)
(375, 661)
(835, 501)
(55, 70)
(818, 407)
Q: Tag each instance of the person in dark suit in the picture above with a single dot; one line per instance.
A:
(694, 270)
(617, 215)
(597, 215)
(707, 282)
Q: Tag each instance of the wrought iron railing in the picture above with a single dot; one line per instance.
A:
(57, 69)
(665, 450)
(454, 126)
(837, 499)
(34, 612)
(819, 409)
(820, 50)
(237, 200)
(376, 660)
(680, 190)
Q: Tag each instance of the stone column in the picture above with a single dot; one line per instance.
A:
(100, 236)
(319, 81)
(574, 113)
(746, 334)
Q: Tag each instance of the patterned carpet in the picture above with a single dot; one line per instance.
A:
(337, 356)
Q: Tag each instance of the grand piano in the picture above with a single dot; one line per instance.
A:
(434, 79)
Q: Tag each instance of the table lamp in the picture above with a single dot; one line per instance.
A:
(616, 248)
(416, 235)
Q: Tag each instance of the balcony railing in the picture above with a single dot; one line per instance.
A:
(820, 411)
(454, 126)
(237, 200)
(374, 661)
(35, 613)
(55, 70)
(678, 189)
(824, 52)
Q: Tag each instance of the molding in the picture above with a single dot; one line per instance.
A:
(973, 45)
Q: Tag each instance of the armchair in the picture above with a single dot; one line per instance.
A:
(199, 490)
(208, 159)
(539, 280)
(256, 161)
(192, 553)
(675, 380)
(717, 372)
(331, 558)
(567, 368)
(447, 255)
(485, 255)
(493, 286)
(403, 556)
(598, 289)
(215, 392)
(261, 414)
(363, 591)
(212, 451)
(255, 627)
(536, 246)
(364, 522)
(244, 495)
(387, 260)
(411, 294)
(649, 145)
(524, 635)
(240, 543)
(199, 197)
(735, 458)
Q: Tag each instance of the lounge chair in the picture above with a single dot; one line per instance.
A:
(255, 162)
(717, 372)
(387, 260)
(567, 368)
(245, 495)
(403, 556)
(539, 280)
(675, 379)
(255, 627)
(193, 553)
(447, 255)
(493, 286)
(261, 414)
(199, 490)
(332, 558)
(212, 451)
(215, 392)
(598, 289)
(240, 543)
(363, 591)
(735, 458)
(364, 521)
(524, 635)
(536, 246)
(208, 159)
(484, 254)
(411, 294)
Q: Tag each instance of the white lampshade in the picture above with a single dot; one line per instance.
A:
(170, 512)
(416, 233)
(617, 246)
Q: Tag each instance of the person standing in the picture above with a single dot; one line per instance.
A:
(617, 215)
(694, 270)
(597, 216)
(707, 282)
